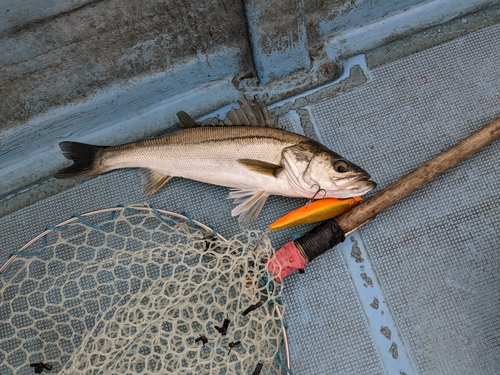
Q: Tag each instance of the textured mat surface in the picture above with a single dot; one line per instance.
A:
(436, 254)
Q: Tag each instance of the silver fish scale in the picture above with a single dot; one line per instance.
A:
(196, 144)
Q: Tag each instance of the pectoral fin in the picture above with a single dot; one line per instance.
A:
(261, 167)
(152, 181)
(251, 203)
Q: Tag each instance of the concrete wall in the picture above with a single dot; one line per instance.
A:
(67, 51)
(326, 18)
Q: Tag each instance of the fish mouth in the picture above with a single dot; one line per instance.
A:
(367, 184)
(362, 185)
(354, 186)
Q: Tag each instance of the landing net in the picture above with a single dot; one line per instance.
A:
(139, 292)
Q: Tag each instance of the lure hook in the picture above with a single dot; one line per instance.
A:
(315, 194)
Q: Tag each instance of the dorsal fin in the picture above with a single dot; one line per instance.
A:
(251, 113)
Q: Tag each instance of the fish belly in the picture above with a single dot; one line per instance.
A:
(232, 175)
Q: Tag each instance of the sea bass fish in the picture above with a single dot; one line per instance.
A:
(255, 161)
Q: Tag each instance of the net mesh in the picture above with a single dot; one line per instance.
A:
(140, 293)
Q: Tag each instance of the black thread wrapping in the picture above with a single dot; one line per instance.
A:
(320, 239)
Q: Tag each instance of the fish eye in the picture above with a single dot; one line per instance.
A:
(341, 166)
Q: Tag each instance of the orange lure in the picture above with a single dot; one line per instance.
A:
(322, 209)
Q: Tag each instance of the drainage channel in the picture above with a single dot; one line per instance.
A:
(393, 353)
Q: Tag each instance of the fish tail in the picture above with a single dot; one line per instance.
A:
(83, 156)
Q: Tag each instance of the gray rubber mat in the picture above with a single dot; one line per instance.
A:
(436, 254)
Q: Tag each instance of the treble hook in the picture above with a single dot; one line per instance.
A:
(314, 196)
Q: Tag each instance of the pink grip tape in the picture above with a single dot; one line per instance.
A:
(285, 261)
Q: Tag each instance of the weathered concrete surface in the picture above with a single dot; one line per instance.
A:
(325, 18)
(432, 37)
(59, 52)
(72, 55)
(278, 36)
(407, 20)
(15, 14)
